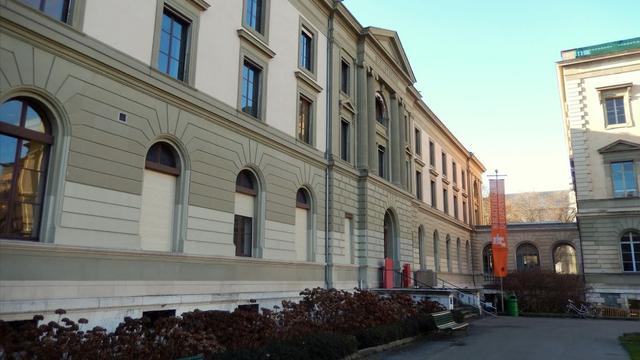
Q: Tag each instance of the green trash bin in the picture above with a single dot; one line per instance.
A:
(512, 305)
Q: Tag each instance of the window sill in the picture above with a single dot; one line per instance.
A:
(433, 171)
(311, 82)
(455, 187)
(628, 124)
(256, 42)
(420, 162)
(445, 180)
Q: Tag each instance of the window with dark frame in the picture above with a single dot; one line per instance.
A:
(464, 180)
(623, 178)
(345, 76)
(407, 172)
(25, 140)
(455, 206)
(630, 249)
(250, 96)
(444, 164)
(381, 110)
(302, 199)
(306, 49)
(433, 194)
(432, 154)
(344, 139)
(243, 225)
(173, 44)
(615, 110)
(304, 119)
(464, 211)
(381, 161)
(418, 139)
(419, 185)
(57, 9)
(163, 158)
(445, 200)
(406, 128)
(254, 16)
(454, 171)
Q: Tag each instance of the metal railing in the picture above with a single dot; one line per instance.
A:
(608, 48)
(475, 301)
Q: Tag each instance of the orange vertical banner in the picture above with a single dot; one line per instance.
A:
(498, 227)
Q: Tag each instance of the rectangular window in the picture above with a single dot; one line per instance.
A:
(455, 206)
(419, 185)
(454, 170)
(345, 76)
(624, 179)
(432, 154)
(243, 235)
(406, 128)
(57, 9)
(344, 140)
(444, 164)
(464, 211)
(250, 88)
(304, 119)
(418, 139)
(306, 50)
(433, 194)
(407, 173)
(173, 45)
(464, 180)
(381, 161)
(445, 200)
(254, 17)
(615, 111)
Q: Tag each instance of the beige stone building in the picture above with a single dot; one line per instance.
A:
(166, 155)
(600, 97)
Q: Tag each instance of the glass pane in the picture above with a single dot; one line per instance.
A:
(33, 3)
(628, 266)
(29, 186)
(10, 112)
(163, 62)
(176, 31)
(32, 155)
(33, 121)
(175, 48)
(57, 9)
(164, 42)
(174, 66)
(24, 222)
(8, 146)
(166, 23)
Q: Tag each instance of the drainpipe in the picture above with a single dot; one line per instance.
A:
(471, 224)
(328, 258)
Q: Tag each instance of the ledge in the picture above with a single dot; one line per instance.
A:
(421, 163)
(201, 4)
(433, 171)
(245, 35)
(348, 105)
(445, 180)
(301, 75)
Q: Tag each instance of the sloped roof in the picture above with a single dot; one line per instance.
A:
(619, 145)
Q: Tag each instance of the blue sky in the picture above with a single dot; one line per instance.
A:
(487, 69)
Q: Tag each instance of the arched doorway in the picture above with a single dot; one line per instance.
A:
(389, 236)
(487, 260)
(421, 252)
(303, 225)
(564, 259)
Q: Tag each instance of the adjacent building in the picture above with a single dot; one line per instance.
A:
(600, 97)
(166, 155)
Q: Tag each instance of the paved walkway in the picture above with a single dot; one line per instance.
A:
(525, 338)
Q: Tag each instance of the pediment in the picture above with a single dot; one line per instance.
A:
(390, 42)
(619, 146)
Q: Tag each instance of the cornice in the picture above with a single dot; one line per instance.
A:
(258, 44)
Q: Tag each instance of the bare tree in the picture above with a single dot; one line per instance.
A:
(538, 207)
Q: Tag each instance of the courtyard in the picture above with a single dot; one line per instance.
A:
(524, 338)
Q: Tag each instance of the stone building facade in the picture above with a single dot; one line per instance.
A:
(210, 154)
(600, 97)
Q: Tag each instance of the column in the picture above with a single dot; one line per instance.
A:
(395, 142)
(363, 123)
(371, 121)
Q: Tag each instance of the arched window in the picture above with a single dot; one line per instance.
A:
(487, 260)
(527, 257)
(244, 224)
(448, 246)
(25, 140)
(564, 259)
(159, 188)
(630, 246)
(436, 252)
(389, 234)
(303, 225)
(421, 253)
(458, 255)
(381, 109)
